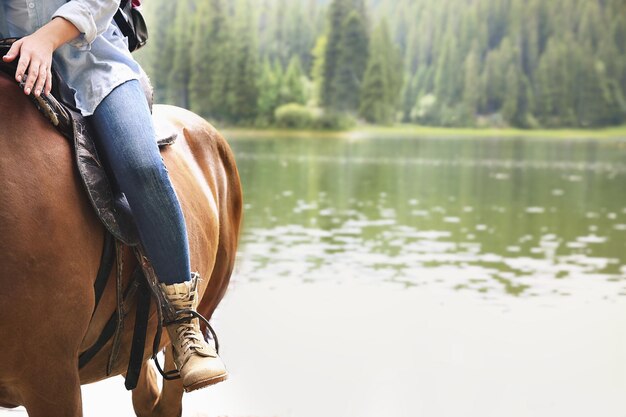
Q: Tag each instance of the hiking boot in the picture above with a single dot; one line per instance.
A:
(196, 360)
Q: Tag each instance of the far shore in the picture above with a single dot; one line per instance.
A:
(416, 131)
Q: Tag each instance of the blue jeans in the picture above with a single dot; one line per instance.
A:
(126, 139)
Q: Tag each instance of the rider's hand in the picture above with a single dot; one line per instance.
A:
(35, 52)
(35, 61)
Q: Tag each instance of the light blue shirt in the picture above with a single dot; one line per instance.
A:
(94, 63)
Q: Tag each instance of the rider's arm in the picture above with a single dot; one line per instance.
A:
(77, 21)
(91, 18)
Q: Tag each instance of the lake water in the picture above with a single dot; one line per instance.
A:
(498, 218)
(422, 277)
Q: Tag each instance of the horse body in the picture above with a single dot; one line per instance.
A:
(50, 247)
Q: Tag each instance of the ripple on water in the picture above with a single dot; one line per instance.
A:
(415, 258)
(521, 227)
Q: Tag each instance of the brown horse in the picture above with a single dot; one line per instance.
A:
(50, 247)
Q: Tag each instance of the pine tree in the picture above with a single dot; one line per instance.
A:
(380, 94)
(242, 88)
(294, 90)
(374, 106)
(447, 80)
(555, 85)
(317, 72)
(280, 38)
(221, 60)
(201, 61)
(598, 100)
(300, 33)
(351, 63)
(211, 60)
(471, 82)
(393, 58)
(414, 88)
(269, 88)
(494, 76)
(619, 40)
(530, 41)
(177, 89)
(590, 26)
(518, 105)
(338, 12)
(156, 57)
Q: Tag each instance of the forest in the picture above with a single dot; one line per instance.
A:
(328, 64)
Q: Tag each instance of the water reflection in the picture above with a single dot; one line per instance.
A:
(519, 217)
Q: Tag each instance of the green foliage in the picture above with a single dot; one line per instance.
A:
(177, 87)
(338, 11)
(332, 120)
(269, 88)
(317, 72)
(383, 79)
(345, 57)
(294, 116)
(211, 60)
(425, 110)
(157, 60)
(523, 63)
(471, 81)
(518, 104)
(297, 116)
(242, 92)
(447, 76)
(375, 107)
(294, 89)
(351, 63)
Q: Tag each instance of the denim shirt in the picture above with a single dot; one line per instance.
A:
(94, 63)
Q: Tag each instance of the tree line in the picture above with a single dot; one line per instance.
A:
(320, 63)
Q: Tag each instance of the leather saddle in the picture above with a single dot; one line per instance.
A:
(109, 203)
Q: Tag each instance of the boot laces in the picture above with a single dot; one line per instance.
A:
(188, 331)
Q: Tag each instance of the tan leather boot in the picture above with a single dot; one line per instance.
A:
(196, 360)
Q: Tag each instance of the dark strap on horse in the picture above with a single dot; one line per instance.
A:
(119, 327)
(111, 325)
(142, 314)
(106, 265)
(102, 278)
(165, 312)
(104, 337)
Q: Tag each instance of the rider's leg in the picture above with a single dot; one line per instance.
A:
(126, 138)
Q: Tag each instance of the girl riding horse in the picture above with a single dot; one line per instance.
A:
(88, 49)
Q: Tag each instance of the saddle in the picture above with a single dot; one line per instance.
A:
(108, 201)
(114, 212)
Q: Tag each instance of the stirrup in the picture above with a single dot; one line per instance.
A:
(191, 314)
(194, 314)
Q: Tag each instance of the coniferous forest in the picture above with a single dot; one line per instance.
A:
(326, 63)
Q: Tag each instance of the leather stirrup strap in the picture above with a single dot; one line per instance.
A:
(119, 328)
(142, 314)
